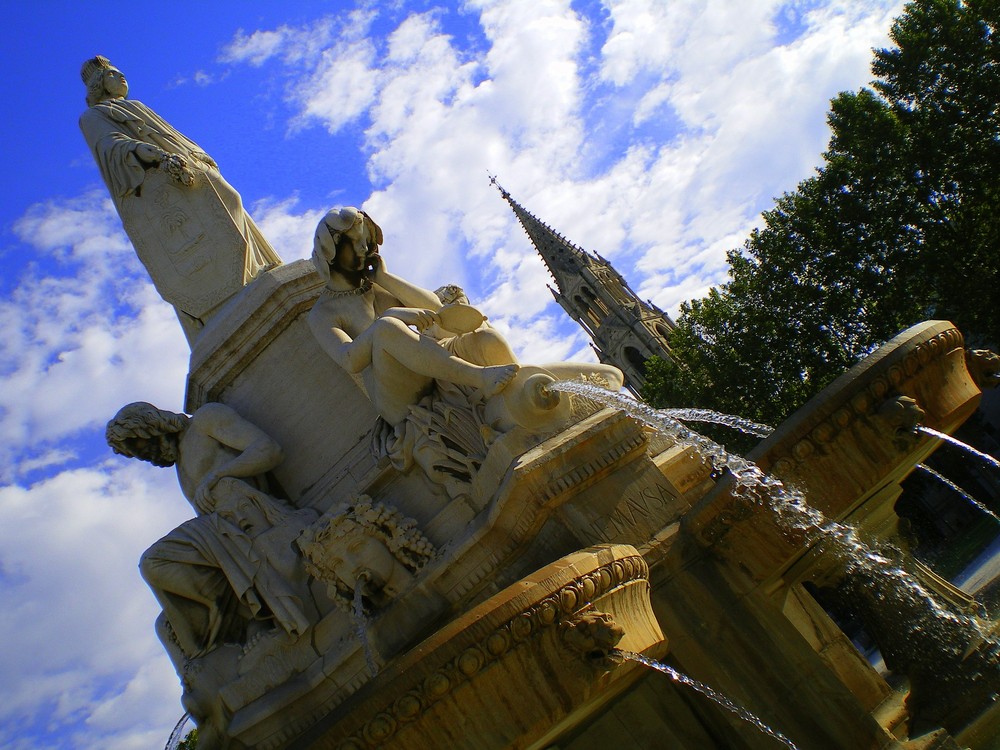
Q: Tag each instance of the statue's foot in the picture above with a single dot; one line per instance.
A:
(496, 378)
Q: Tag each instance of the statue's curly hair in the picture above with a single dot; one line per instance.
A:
(142, 420)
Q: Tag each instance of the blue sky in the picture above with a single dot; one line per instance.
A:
(652, 132)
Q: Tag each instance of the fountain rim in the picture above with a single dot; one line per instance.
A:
(876, 368)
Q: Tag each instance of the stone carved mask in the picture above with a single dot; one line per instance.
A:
(364, 545)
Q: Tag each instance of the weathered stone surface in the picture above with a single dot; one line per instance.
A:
(445, 551)
(507, 674)
(186, 222)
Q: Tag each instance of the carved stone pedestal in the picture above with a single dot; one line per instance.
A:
(514, 671)
(258, 356)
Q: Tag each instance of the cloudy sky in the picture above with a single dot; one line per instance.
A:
(651, 131)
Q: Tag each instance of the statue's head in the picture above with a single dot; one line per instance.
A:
(103, 80)
(142, 431)
(367, 546)
(450, 293)
(344, 240)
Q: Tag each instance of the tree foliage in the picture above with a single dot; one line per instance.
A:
(899, 224)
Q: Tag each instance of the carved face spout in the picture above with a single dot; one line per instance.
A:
(366, 561)
(364, 548)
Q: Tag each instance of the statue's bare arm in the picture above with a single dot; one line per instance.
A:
(328, 326)
(409, 295)
(256, 451)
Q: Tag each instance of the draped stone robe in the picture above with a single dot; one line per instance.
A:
(197, 242)
(218, 571)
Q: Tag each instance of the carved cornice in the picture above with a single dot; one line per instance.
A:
(525, 510)
(246, 326)
(527, 625)
(866, 402)
(579, 474)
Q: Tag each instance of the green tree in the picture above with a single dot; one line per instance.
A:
(900, 224)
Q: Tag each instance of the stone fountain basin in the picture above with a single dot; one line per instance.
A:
(845, 447)
(506, 674)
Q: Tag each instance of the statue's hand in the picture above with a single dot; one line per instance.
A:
(203, 500)
(203, 157)
(148, 154)
(375, 265)
(418, 318)
(424, 319)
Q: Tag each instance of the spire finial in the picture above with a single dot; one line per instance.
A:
(498, 186)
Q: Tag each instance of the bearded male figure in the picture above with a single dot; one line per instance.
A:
(215, 574)
(186, 222)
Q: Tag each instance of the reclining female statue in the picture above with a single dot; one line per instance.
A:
(375, 325)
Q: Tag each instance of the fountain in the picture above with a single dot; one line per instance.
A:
(417, 543)
(596, 523)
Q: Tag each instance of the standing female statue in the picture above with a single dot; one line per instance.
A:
(186, 222)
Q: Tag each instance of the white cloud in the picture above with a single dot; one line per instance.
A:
(77, 620)
(292, 44)
(743, 119)
(341, 81)
(85, 338)
(753, 117)
(345, 88)
(290, 234)
(255, 48)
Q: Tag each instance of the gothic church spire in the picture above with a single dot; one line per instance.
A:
(626, 331)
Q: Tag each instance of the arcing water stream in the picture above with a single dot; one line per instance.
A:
(719, 698)
(962, 493)
(177, 734)
(984, 457)
(787, 502)
(713, 417)
(926, 640)
(750, 481)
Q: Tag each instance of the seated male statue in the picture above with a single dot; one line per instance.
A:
(217, 573)
(363, 321)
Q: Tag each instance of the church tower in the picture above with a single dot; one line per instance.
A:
(625, 330)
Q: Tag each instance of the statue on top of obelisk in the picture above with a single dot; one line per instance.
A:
(186, 222)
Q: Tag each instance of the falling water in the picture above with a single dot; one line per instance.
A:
(984, 457)
(942, 652)
(944, 480)
(793, 512)
(751, 482)
(708, 692)
(713, 417)
(361, 625)
(178, 734)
